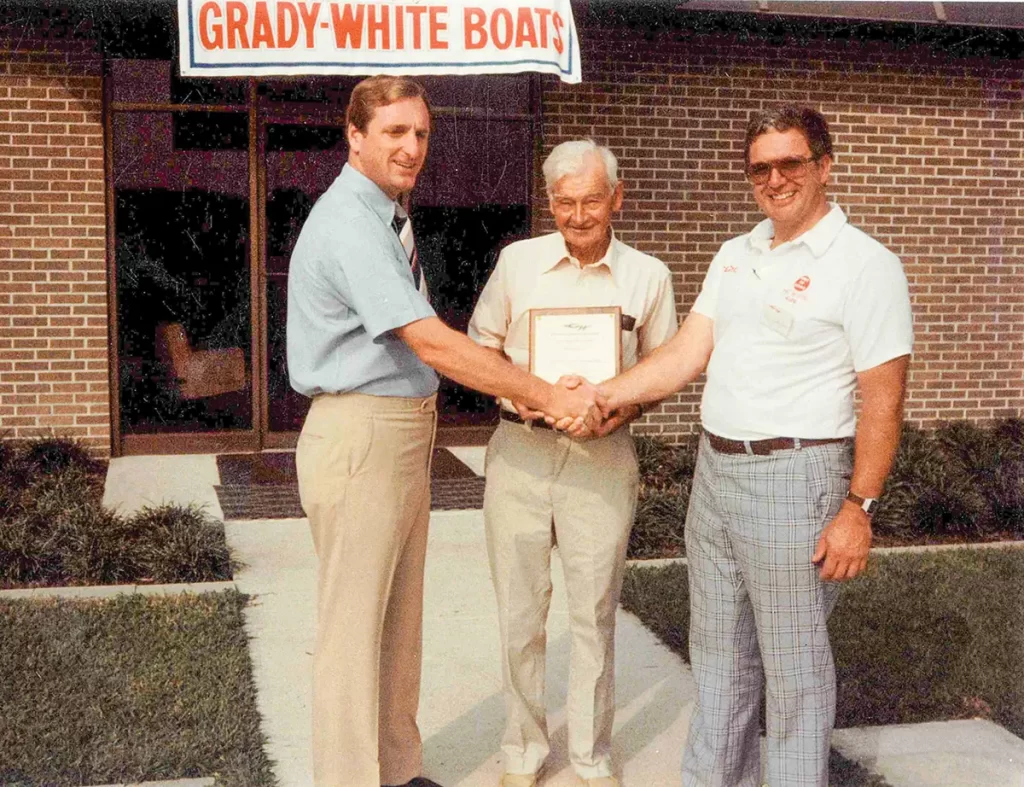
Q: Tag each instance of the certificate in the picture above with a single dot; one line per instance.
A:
(585, 341)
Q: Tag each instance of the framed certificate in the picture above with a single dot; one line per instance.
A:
(584, 341)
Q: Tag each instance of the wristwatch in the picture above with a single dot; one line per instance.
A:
(865, 504)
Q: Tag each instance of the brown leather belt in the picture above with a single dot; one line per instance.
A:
(514, 418)
(764, 447)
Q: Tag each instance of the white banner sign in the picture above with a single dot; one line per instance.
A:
(264, 37)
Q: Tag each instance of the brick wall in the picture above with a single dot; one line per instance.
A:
(929, 149)
(53, 292)
(929, 160)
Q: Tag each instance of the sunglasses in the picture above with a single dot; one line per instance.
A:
(790, 168)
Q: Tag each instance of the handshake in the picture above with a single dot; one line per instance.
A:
(580, 409)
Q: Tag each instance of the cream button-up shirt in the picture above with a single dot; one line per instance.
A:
(539, 273)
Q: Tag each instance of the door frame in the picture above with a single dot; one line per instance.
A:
(241, 440)
(285, 113)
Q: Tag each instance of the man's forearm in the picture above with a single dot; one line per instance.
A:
(458, 357)
(879, 426)
(668, 369)
(878, 438)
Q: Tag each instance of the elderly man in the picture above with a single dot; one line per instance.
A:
(792, 317)
(361, 341)
(543, 486)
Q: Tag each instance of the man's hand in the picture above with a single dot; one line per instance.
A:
(526, 413)
(844, 544)
(569, 422)
(574, 406)
(617, 419)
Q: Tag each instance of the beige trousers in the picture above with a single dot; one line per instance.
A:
(364, 480)
(541, 487)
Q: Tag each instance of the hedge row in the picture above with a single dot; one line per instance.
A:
(55, 531)
(960, 482)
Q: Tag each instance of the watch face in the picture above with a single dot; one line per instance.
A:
(870, 506)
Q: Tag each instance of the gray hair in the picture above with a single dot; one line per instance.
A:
(570, 158)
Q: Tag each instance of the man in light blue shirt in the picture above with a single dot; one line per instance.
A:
(364, 343)
(350, 286)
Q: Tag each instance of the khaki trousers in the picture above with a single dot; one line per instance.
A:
(541, 487)
(364, 480)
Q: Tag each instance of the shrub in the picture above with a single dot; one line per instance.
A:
(662, 465)
(929, 491)
(53, 454)
(659, 523)
(666, 474)
(181, 543)
(961, 481)
(54, 530)
(1006, 487)
(1007, 496)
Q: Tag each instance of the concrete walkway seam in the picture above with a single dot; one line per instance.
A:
(109, 591)
(205, 782)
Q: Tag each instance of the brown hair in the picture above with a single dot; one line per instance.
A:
(810, 122)
(379, 91)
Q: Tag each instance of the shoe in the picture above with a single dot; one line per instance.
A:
(519, 780)
(419, 781)
(600, 781)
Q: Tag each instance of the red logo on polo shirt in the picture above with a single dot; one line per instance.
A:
(802, 283)
(730, 269)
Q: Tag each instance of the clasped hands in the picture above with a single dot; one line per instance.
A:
(580, 409)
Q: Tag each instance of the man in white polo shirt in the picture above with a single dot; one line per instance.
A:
(544, 485)
(792, 318)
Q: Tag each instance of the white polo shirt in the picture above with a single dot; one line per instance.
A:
(539, 273)
(793, 326)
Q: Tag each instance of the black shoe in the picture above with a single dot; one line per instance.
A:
(419, 781)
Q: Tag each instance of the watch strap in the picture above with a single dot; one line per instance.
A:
(865, 504)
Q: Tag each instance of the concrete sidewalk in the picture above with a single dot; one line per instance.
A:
(461, 711)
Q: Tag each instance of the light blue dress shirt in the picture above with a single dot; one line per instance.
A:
(349, 287)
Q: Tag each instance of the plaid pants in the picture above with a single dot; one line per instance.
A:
(758, 613)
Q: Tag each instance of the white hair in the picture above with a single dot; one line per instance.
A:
(571, 158)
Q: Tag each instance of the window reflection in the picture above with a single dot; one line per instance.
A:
(182, 219)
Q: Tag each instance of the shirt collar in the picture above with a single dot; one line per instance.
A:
(560, 254)
(360, 185)
(818, 238)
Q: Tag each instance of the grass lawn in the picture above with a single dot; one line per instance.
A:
(129, 689)
(921, 637)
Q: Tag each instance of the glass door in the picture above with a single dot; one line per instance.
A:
(303, 156)
(180, 203)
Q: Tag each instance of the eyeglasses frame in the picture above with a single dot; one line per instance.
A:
(776, 165)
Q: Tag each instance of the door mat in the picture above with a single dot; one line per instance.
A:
(265, 486)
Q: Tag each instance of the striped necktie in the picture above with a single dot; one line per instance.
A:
(402, 226)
